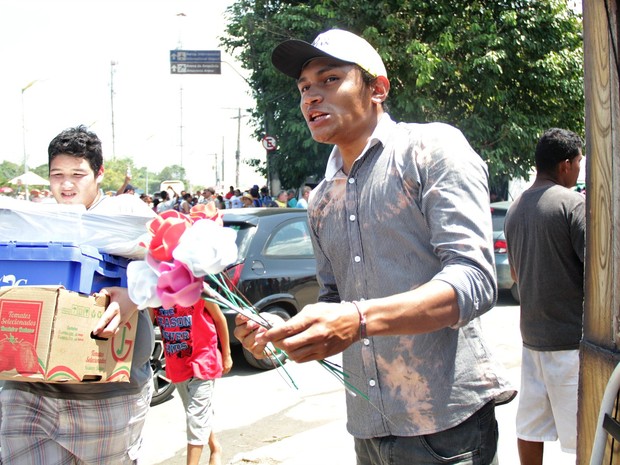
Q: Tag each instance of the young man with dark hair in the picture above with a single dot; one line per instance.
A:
(545, 234)
(401, 229)
(97, 423)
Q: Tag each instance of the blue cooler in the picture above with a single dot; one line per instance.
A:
(78, 268)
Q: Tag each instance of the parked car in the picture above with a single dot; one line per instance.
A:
(502, 267)
(163, 387)
(275, 269)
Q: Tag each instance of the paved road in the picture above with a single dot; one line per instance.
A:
(259, 416)
(260, 419)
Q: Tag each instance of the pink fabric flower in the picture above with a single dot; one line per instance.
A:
(181, 251)
(177, 285)
(166, 231)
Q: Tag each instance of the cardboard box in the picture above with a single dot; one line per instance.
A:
(45, 335)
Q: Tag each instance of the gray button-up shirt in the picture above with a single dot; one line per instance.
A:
(414, 208)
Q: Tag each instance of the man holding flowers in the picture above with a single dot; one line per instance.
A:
(402, 235)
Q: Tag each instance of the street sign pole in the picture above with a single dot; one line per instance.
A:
(193, 62)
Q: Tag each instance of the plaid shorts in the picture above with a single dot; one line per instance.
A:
(39, 430)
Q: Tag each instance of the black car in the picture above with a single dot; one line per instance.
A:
(163, 387)
(276, 268)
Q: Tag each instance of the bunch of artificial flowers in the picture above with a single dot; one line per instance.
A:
(185, 261)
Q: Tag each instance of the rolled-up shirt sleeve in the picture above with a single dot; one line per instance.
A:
(455, 202)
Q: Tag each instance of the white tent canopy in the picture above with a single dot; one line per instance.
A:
(30, 179)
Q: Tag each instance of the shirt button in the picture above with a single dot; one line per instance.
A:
(351, 180)
(352, 217)
(372, 383)
(366, 341)
(357, 259)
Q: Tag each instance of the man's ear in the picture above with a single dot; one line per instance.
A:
(381, 89)
(561, 171)
(564, 167)
(99, 177)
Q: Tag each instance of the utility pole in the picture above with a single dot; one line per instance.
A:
(146, 170)
(238, 118)
(180, 15)
(267, 156)
(223, 161)
(24, 89)
(112, 65)
(238, 151)
(217, 174)
(181, 123)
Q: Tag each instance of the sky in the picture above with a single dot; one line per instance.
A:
(57, 72)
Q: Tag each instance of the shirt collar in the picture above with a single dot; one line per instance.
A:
(379, 135)
(98, 199)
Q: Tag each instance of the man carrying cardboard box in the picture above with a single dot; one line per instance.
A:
(99, 423)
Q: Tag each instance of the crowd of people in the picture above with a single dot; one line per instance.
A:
(183, 201)
(253, 197)
(34, 195)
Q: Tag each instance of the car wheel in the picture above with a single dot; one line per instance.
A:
(163, 386)
(514, 291)
(274, 361)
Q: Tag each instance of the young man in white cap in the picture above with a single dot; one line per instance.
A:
(402, 234)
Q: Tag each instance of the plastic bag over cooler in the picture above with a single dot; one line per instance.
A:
(113, 233)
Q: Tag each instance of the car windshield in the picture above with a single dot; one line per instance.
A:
(245, 232)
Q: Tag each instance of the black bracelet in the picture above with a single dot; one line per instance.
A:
(363, 334)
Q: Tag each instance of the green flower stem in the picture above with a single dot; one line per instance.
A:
(238, 303)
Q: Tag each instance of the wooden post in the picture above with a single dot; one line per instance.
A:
(600, 346)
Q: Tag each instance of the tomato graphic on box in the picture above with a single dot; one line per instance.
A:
(21, 318)
(27, 362)
(8, 353)
(20, 356)
(19, 333)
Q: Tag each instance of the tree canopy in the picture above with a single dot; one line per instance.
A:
(501, 71)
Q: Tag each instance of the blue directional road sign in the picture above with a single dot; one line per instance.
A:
(195, 62)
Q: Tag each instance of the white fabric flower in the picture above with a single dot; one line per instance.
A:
(206, 248)
(142, 285)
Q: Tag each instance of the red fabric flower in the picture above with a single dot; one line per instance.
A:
(177, 285)
(166, 230)
(206, 211)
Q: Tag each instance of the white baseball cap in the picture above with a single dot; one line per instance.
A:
(291, 55)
